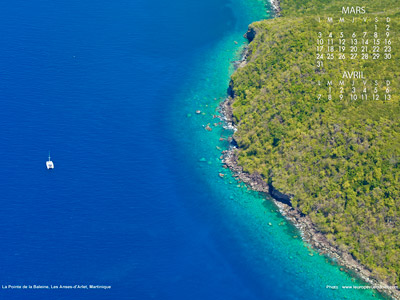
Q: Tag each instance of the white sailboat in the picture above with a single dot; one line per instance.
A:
(49, 163)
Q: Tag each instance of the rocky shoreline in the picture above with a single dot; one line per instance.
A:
(255, 181)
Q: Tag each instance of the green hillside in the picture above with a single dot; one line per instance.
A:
(339, 159)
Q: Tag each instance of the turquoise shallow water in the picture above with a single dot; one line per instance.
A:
(283, 265)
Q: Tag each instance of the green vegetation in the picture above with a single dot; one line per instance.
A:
(339, 159)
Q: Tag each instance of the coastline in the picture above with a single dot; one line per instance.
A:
(309, 232)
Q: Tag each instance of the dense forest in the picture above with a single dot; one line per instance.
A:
(337, 157)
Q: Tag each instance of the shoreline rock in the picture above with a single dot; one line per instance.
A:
(276, 6)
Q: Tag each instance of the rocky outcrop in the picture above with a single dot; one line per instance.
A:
(250, 34)
(276, 6)
(230, 91)
(226, 110)
(277, 195)
(253, 180)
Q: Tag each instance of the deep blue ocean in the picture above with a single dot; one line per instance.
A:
(135, 201)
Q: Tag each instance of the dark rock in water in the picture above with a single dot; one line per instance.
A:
(250, 34)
